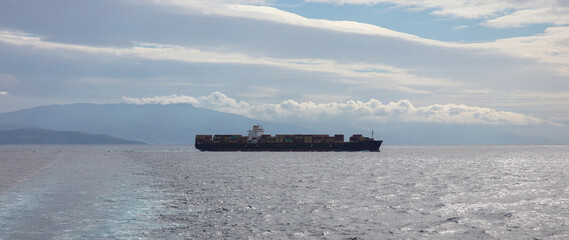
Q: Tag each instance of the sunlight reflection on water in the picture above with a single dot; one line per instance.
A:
(174, 192)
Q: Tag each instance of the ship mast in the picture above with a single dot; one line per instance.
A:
(372, 134)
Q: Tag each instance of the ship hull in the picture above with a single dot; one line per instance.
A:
(372, 146)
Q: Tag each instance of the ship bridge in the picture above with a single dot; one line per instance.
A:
(255, 134)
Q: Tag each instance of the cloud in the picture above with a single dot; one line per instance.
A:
(552, 41)
(510, 13)
(3, 93)
(375, 75)
(550, 47)
(372, 110)
(216, 101)
(340, 58)
(163, 100)
(465, 9)
(500, 13)
(267, 13)
(521, 18)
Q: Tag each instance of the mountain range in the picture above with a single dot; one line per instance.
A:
(44, 136)
(154, 124)
(179, 123)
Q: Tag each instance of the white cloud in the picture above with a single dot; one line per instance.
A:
(163, 100)
(551, 47)
(272, 14)
(521, 18)
(500, 13)
(373, 110)
(375, 75)
(215, 100)
(466, 9)
(505, 13)
(3, 93)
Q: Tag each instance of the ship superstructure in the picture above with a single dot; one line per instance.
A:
(255, 134)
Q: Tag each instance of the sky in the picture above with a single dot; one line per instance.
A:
(489, 62)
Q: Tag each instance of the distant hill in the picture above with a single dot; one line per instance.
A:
(154, 124)
(44, 136)
(12, 126)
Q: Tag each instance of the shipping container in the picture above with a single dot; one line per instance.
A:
(339, 138)
(203, 138)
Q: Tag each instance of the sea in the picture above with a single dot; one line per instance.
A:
(176, 192)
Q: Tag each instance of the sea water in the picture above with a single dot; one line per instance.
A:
(176, 192)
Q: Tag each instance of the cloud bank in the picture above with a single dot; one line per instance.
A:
(197, 47)
(372, 110)
(374, 75)
(498, 14)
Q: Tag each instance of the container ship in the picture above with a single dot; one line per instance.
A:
(256, 140)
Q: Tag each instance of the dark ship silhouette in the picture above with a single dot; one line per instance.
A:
(256, 140)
